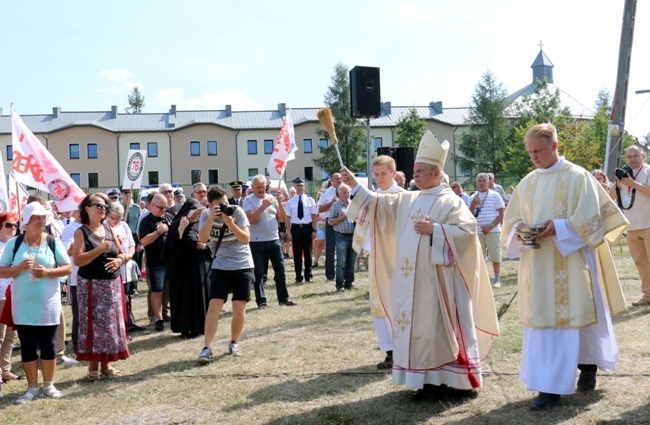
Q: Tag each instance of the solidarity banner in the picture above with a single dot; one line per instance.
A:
(36, 167)
(134, 169)
(18, 195)
(285, 146)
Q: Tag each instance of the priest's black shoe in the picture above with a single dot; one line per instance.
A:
(434, 392)
(545, 401)
(586, 381)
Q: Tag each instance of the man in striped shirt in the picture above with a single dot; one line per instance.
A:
(488, 208)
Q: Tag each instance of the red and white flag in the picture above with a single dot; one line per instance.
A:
(4, 197)
(285, 146)
(36, 167)
(17, 200)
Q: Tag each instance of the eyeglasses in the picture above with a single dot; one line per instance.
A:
(126, 192)
(99, 205)
(163, 208)
(166, 192)
(200, 192)
(10, 225)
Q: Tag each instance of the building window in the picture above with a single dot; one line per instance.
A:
(153, 177)
(213, 176)
(134, 146)
(378, 143)
(76, 177)
(252, 172)
(195, 148)
(268, 147)
(74, 150)
(266, 172)
(323, 174)
(252, 147)
(195, 175)
(323, 143)
(152, 149)
(309, 173)
(212, 147)
(307, 146)
(93, 179)
(91, 150)
(10, 153)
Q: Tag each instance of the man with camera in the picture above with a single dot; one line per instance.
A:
(226, 227)
(632, 194)
(488, 207)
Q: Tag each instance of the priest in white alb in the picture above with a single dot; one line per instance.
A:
(443, 311)
(568, 288)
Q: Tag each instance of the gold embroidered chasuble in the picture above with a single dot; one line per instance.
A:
(379, 272)
(429, 329)
(556, 291)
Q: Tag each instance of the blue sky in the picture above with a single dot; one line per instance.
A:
(83, 55)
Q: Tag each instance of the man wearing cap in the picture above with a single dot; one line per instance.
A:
(263, 211)
(440, 295)
(236, 191)
(327, 199)
(113, 194)
(301, 213)
(179, 196)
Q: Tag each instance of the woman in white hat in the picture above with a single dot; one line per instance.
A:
(35, 266)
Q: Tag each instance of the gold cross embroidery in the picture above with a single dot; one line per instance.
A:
(418, 216)
(407, 268)
(403, 321)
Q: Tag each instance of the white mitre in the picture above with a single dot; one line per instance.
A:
(431, 151)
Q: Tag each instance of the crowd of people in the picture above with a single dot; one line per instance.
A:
(426, 248)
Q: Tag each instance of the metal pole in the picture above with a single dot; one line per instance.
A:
(369, 153)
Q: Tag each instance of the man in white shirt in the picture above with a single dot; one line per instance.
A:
(301, 214)
(488, 207)
(327, 199)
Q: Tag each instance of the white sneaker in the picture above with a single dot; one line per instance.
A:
(66, 361)
(52, 392)
(205, 356)
(233, 349)
(497, 284)
(29, 395)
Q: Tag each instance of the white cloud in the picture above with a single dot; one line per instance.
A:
(208, 100)
(116, 75)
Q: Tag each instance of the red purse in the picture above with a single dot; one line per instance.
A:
(6, 317)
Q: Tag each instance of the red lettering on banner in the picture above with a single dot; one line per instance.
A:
(13, 202)
(22, 137)
(24, 164)
(279, 165)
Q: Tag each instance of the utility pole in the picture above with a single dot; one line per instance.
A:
(617, 121)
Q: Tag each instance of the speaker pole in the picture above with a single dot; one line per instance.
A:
(369, 153)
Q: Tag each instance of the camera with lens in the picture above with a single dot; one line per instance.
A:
(226, 209)
(623, 172)
(477, 211)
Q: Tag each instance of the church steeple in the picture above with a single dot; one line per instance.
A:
(542, 67)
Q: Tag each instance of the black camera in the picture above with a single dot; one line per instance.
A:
(477, 211)
(623, 172)
(229, 210)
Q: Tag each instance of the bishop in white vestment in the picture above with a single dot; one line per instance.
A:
(443, 310)
(568, 288)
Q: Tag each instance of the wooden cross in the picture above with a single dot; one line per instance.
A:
(407, 268)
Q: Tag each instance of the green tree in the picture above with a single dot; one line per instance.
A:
(350, 132)
(136, 102)
(410, 129)
(596, 130)
(483, 145)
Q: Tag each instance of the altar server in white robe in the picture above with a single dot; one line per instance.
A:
(443, 311)
(568, 288)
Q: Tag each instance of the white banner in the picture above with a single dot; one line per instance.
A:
(134, 169)
(17, 200)
(4, 199)
(36, 167)
(285, 146)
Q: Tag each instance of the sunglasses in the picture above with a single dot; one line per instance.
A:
(166, 192)
(126, 192)
(159, 207)
(100, 205)
(10, 225)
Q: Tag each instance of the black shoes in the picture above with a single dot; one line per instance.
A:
(387, 363)
(545, 401)
(136, 328)
(587, 381)
(160, 325)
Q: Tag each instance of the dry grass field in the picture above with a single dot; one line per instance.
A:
(315, 364)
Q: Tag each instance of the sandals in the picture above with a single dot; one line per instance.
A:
(93, 376)
(111, 373)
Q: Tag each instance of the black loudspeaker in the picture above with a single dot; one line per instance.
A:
(404, 159)
(365, 96)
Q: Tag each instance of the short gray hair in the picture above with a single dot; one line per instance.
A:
(257, 179)
(115, 208)
(482, 176)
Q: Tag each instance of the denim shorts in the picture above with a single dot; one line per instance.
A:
(320, 234)
(157, 277)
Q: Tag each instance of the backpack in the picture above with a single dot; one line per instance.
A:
(50, 242)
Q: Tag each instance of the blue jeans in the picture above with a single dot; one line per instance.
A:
(263, 252)
(345, 259)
